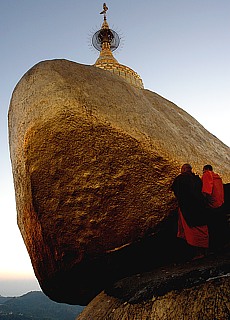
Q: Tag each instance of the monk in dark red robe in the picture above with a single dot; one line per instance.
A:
(192, 226)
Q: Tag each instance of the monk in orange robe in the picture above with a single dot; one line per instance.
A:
(192, 226)
(213, 190)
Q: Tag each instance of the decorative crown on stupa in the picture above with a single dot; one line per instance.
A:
(106, 41)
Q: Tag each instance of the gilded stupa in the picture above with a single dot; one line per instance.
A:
(107, 40)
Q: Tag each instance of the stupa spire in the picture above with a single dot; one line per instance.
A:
(106, 41)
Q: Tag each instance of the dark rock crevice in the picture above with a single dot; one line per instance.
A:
(143, 287)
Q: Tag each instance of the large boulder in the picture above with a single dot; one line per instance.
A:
(93, 159)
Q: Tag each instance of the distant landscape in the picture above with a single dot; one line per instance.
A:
(35, 305)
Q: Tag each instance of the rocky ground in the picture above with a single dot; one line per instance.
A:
(188, 290)
(158, 282)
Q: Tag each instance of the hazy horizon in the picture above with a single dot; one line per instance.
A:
(18, 286)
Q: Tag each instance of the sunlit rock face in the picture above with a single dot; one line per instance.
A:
(93, 160)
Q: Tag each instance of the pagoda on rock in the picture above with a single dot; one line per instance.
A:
(106, 41)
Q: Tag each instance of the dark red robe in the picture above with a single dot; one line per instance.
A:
(192, 225)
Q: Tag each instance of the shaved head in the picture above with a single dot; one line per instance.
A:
(186, 168)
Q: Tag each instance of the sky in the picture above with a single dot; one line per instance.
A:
(180, 48)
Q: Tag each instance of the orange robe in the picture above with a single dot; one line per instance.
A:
(192, 226)
(195, 236)
(213, 186)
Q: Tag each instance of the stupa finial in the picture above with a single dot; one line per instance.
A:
(105, 40)
(105, 8)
